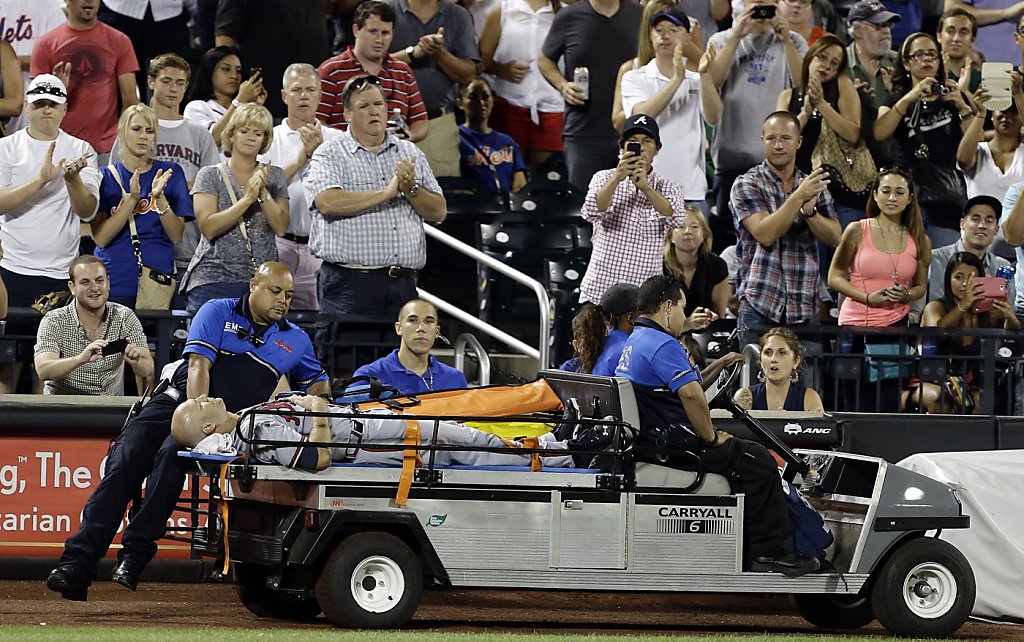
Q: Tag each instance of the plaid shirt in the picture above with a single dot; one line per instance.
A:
(61, 332)
(390, 234)
(629, 235)
(396, 81)
(780, 279)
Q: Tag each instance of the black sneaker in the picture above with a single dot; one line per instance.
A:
(68, 583)
(791, 565)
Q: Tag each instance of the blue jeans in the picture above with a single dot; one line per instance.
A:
(200, 294)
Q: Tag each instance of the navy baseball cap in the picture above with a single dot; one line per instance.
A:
(675, 18)
(641, 123)
(871, 11)
(983, 199)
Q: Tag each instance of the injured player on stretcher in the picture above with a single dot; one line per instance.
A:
(206, 426)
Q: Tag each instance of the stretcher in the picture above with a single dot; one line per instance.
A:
(350, 543)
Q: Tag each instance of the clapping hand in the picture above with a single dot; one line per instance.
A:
(257, 182)
(49, 170)
(74, 166)
(312, 136)
(812, 185)
(815, 94)
(405, 172)
(135, 186)
(62, 70)
(704, 64)
(159, 183)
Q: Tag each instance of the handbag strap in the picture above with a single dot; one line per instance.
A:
(243, 227)
(132, 230)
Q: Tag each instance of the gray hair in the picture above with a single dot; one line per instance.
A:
(299, 68)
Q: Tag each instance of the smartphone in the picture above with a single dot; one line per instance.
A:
(993, 287)
(763, 12)
(995, 78)
(255, 70)
(633, 146)
(117, 346)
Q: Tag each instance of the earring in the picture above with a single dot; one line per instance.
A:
(760, 376)
(794, 377)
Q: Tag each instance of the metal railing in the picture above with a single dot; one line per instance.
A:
(542, 352)
(483, 360)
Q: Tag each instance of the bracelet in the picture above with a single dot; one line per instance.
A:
(814, 212)
(236, 102)
(968, 114)
(867, 298)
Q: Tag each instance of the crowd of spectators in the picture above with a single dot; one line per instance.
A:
(710, 141)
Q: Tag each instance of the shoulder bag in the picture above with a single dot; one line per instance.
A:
(850, 165)
(156, 289)
(243, 227)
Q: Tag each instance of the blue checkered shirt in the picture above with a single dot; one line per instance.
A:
(780, 279)
(390, 233)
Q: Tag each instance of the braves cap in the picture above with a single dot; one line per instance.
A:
(643, 124)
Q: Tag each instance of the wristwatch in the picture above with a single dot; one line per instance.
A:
(409, 52)
(814, 212)
(413, 191)
(236, 102)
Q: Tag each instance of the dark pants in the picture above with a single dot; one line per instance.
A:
(751, 470)
(371, 297)
(863, 395)
(723, 229)
(150, 38)
(584, 157)
(144, 448)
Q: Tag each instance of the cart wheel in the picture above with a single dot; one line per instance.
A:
(372, 580)
(925, 589)
(255, 595)
(834, 611)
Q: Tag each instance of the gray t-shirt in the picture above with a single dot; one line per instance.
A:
(226, 259)
(759, 73)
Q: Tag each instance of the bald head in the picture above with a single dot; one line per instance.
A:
(186, 426)
(270, 293)
(197, 418)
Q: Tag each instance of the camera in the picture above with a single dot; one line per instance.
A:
(763, 12)
(939, 89)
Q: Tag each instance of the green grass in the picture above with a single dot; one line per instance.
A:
(86, 634)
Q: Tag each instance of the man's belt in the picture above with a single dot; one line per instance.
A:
(393, 271)
(437, 113)
(295, 238)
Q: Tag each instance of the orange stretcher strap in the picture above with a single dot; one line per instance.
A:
(527, 442)
(411, 460)
(224, 514)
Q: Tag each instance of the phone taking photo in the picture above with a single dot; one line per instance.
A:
(633, 147)
(116, 346)
(992, 288)
(763, 12)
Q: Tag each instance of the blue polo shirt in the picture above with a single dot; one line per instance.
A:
(157, 249)
(658, 366)
(608, 360)
(246, 370)
(391, 372)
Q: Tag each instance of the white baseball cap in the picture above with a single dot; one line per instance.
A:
(47, 87)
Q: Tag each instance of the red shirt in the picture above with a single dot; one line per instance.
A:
(396, 78)
(98, 56)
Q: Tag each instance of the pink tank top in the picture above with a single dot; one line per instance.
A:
(872, 270)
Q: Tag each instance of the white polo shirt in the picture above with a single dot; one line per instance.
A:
(681, 123)
(283, 152)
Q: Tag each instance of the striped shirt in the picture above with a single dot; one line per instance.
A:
(390, 234)
(629, 235)
(397, 82)
(61, 332)
(780, 279)
(162, 9)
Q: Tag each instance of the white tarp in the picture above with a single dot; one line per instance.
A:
(991, 486)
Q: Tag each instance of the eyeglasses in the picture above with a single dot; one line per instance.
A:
(800, 3)
(830, 63)
(254, 339)
(358, 84)
(922, 56)
(882, 27)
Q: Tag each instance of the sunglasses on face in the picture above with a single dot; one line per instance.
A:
(47, 89)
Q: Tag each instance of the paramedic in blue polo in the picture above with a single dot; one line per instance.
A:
(411, 369)
(669, 393)
(237, 349)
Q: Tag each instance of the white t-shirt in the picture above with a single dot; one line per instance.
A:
(522, 34)
(986, 177)
(282, 152)
(205, 112)
(41, 237)
(681, 124)
(26, 21)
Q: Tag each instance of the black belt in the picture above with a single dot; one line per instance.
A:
(437, 113)
(393, 271)
(295, 238)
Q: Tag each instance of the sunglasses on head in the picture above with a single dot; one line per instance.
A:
(254, 339)
(895, 169)
(48, 89)
(358, 83)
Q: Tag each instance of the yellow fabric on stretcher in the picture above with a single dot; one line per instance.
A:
(511, 429)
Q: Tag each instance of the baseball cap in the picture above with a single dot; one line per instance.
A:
(620, 299)
(47, 87)
(983, 199)
(871, 11)
(641, 123)
(673, 17)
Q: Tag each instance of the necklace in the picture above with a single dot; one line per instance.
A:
(429, 383)
(894, 257)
